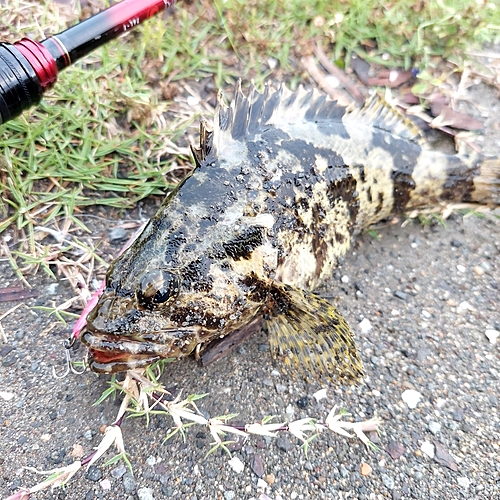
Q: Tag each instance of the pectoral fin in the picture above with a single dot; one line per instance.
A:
(311, 335)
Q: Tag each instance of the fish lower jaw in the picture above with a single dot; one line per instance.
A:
(112, 354)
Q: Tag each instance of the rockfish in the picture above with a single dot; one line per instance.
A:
(281, 185)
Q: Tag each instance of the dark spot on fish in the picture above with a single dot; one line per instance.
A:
(194, 276)
(380, 202)
(241, 246)
(402, 188)
(459, 184)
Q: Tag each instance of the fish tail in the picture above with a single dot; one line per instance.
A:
(456, 179)
(487, 183)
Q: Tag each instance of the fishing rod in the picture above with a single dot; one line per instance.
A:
(28, 68)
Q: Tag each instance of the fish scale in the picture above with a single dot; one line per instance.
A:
(281, 186)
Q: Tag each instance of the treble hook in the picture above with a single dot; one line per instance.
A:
(68, 344)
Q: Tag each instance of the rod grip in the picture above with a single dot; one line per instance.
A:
(20, 87)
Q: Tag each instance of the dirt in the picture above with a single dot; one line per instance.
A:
(430, 292)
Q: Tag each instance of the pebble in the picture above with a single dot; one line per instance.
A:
(319, 395)
(365, 469)
(303, 403)
(236, 464)
(400, 295)
(428, 449)
(105, 484)
(128, 483)
(478, 270)
(117, 233)
(411, 398)
(257, 465)
(88, 435)
(365, 326)
(388, 481)
(492, 336)
(442, 457)
(463, 482)
(283, 444)
(229, 495)
(145, 494)
(94, 474)
(345, 279)
(52, 288)
(151, 461)
(434, 427)
(270, 478)
(118, 472)
(395, 449)
(461, 269)
(192, 100)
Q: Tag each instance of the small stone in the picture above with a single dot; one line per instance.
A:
(461, 269)
(319, 395)
(280, 388)
(263, 347)
(365, 469)
(117, 233)
(388, 481)
(442, 457)
(365, 326)
(478, 270)
(192, 100)
(88, 435)
(411, 398)
(93, 474)
(236, 464)
(345, 279)
(19, 335)
(458, 415)
(270, 478)
(426, 314)
(434, 427)
(492, 336)
(400, 295)
(257, 465)
(428, 449)
(303, 403)
(151, 461)
(456, 243)
(52, 288)
(283, 444)
(89, 495)
(261, 484)
(463, 482)
(464, 306)
(118, 472)
(145, 494)
(395, 449)
(105, 484)
(128, 483)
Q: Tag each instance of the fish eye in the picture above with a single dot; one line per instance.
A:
(156, 288)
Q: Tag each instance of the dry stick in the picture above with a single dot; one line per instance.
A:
(318, 76)
(349, 86)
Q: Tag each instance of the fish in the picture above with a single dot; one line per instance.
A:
(281, 185)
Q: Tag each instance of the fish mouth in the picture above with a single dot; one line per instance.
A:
(108, 353)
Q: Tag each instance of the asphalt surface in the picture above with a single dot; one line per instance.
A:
(430, 294)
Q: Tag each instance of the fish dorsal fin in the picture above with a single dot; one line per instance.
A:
(206, 137)
(255, 111)
(379, 114)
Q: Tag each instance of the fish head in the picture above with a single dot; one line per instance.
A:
(151, 309)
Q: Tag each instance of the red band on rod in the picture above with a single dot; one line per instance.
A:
(40, 59)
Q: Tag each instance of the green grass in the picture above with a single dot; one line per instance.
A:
(106, 133)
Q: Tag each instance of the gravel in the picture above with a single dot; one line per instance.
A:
(456, 373)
